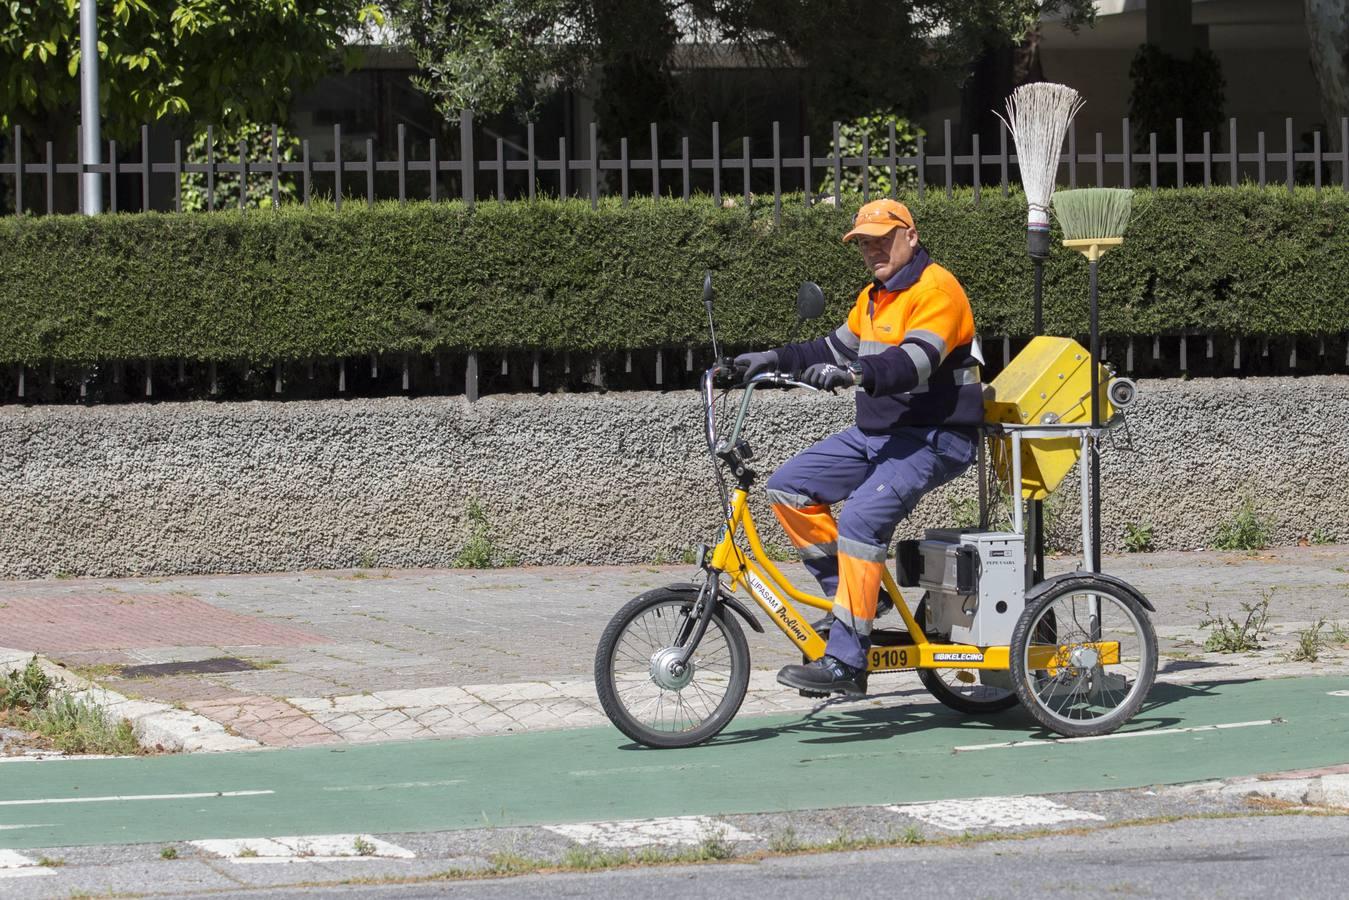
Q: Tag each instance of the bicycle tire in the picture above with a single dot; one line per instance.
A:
(611, 696)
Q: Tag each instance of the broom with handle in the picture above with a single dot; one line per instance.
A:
(1093, 221)
(1038, 116)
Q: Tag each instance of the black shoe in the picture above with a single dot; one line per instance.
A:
(826, 676)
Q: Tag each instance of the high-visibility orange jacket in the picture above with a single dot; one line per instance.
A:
(913, 337)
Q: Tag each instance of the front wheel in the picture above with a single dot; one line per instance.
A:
(1083, 656)
(646, 695)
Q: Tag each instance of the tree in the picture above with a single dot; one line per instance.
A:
(221, 62)
(1328, 29)
(860, 55)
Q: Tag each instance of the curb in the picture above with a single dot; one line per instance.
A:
(1314, 787)
(157, 725)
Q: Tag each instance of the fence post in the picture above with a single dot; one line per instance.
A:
(1260, 157)
(978, 170)
(894, 165)
(18, 170)
(1072, 154)
(402, 164)
(276, 169)
(145, 168)
(866, 167)
(922, 166)
(684, 165)
(1288, 144)
(1208, 159)
(369, 171)
(777, 173)
(1152, 158)
(838, 165)
(1344, 154)
(51, 177)
(531, 161)
(1234, 156)
(805, 170)
(337, 166)
(1316, 159)
(1002, 155)
(79, 160)
(624, 167)
(177, 175)
(243, 174)
(466, 161)
(309, 171)
(1127, 156)
(501, 170)
(595, 166)
(112, 175)
(1180, 153)
(716, 164)
(948, 158)
(655, 163)
(1100, 160)
(747, 164)
(562, 168)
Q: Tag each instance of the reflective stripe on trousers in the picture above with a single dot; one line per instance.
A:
(879, 478)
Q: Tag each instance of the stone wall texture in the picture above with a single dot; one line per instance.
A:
(577, 479)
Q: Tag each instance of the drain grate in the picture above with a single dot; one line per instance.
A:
(195, 667)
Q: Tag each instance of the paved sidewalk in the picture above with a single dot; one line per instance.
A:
(354, 656)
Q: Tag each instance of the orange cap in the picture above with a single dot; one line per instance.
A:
(879, 217)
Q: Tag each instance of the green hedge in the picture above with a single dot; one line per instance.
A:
(559, 276)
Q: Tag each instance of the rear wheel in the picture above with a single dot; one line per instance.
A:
(971, 691)
(640, 685)
(1083, 657)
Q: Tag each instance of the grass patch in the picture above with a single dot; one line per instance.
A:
(28, 700)
(1244, 531)
(168, 853)
(48, 863)
(362, 846)
(784, 841)
(1227, 635)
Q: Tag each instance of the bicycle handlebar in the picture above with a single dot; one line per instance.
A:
(710, 382)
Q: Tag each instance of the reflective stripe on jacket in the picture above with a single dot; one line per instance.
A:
(914, 339)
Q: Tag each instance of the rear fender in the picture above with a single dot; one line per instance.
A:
(1123, 586)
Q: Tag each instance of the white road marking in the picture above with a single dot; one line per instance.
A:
(396, 785)
(15, 827)
(632, 833)
(56, 755)
(303, 848)
(129, 797)
(16, 865)
(1338, 693)
(993, 812)
(1116, 736)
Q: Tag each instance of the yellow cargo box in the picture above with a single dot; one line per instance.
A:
(1049, 382)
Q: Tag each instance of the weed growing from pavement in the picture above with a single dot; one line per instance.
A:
(247, 852)
(479, 551)
(508, 862)
(168, 853)
(49, 863)
(1309, 643)
(1338, 633)
(1138, 538)
(1320, 537)
(1244, 531)
(784, 841)
(362, 846)
(911, 835)
(714, 845)
(1227, 635)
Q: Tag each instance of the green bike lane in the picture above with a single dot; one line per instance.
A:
(851, 757)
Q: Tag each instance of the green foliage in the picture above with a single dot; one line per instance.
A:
(292, 283)
(492, 54)
(225, 193)
(1309, 643)
(221, 61)
(1138, 537)
(875, 130)
(480, 550)
(25, 689)
(1227, 635)
(168, 852)
(1244, 531)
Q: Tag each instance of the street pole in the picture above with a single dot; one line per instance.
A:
(89, 113)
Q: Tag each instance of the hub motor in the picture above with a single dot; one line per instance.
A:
(666, 671)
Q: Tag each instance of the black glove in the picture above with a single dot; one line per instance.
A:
(828, 377)
(754, 363)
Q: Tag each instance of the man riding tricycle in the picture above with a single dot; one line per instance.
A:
(1078, 650)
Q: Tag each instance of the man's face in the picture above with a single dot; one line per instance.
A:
(887, 254)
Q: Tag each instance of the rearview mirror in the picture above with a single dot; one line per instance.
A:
(809, 301)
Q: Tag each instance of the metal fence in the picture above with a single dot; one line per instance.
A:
(510, 170)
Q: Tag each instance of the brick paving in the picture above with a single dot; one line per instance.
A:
(373, 655)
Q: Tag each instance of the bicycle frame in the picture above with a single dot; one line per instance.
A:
(756, 575)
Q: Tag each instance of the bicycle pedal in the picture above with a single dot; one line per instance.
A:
(814, 695)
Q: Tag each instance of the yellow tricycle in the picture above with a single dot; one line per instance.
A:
(1078, 650)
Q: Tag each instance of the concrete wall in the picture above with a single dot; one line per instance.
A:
(618, 478)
